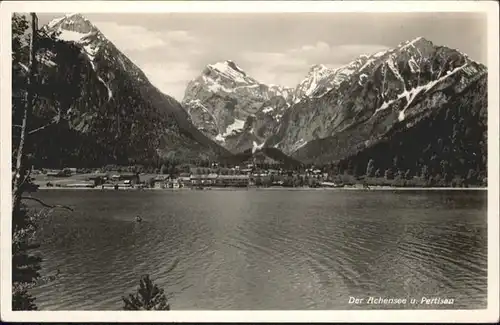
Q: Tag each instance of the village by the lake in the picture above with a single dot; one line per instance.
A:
(248, 175)
(190, 177)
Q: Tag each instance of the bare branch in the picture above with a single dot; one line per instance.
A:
(47, 205)
(24, 67)
(27, 112)
(55, 120)
(40, 281)
(26, 177)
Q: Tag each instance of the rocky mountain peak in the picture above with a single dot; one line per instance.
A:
(394, 86)
(417, 42)
(78, 29)
(418, 46)
(317, 74)
(225, 103)
(73, 23)
(233, 66)
(227, 67)
(317, 67)
(227, 73)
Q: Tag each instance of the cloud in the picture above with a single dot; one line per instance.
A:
(291, 65)
(180, 36)
(171, 58)
(164, 56)
(170, 77)
(130, 37)
(324, 53)
(138, 38)
(274, 60)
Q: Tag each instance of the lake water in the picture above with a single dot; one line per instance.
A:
(265, 249)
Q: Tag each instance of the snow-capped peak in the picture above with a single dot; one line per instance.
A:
(226, 67)
(408, 42)
(317, 67)
(76, 28)
(74, 22)
(75, 15)
(231, 71)
(316, 75)
(419, 42)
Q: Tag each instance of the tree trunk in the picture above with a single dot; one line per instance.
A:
(21, 168)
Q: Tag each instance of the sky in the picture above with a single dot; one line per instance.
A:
(173, 48)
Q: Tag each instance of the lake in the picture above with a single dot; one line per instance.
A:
(265, 249)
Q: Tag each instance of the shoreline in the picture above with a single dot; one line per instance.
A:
(45, 188)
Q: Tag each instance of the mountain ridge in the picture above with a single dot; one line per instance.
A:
(220, 121)
(367, 98)
(116, 116)
(386, 86)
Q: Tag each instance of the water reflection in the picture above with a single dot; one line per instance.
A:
(265, 249)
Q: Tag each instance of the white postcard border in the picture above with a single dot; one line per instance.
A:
(490, 8)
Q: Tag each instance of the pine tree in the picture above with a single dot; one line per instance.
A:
(425, 172)
(370, 168)
(148, 297)
(389, 174)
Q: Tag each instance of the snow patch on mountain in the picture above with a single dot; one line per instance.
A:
(412, 93)
(216, 87)
(110, 93)
(256, 147)
(268, 109)
(414, 67)
(362, 79)
(392, 67)
(299, 144)
(368, 62)
(231, 71)
(401, 116)
(236, 126)
(72, 36)
(411, 43)
(379, 54)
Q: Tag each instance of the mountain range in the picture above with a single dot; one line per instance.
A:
(334, 115)
(412, 106)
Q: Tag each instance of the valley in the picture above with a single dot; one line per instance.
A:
(386, 108)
